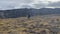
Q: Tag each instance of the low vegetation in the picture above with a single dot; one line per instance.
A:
(34, 25)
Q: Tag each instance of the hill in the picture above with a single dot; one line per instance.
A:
(24, 12)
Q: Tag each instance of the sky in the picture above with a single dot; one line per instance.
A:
(15, 4)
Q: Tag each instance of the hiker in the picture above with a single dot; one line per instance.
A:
(28, 16)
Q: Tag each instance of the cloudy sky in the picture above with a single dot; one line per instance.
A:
(13, 4)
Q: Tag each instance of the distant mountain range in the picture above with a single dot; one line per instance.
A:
(24, 12)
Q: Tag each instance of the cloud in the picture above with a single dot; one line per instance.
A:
(14, 4)
(40, 4)
(53, 0)
(9, 4)
(54, 4)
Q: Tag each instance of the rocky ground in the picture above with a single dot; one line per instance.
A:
(33, 25)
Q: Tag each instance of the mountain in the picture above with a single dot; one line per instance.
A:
(25, 11)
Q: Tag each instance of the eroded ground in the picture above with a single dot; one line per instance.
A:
(34, 25)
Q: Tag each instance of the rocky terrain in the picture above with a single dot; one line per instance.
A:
(47, 24)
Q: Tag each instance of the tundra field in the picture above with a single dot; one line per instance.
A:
(46, 24)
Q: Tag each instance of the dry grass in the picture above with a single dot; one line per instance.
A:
(34, 25)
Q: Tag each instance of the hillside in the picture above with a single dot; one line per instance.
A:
(47, 24)
(14, 13)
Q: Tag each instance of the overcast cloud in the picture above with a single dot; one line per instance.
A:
(14, 4)
(54, 4)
